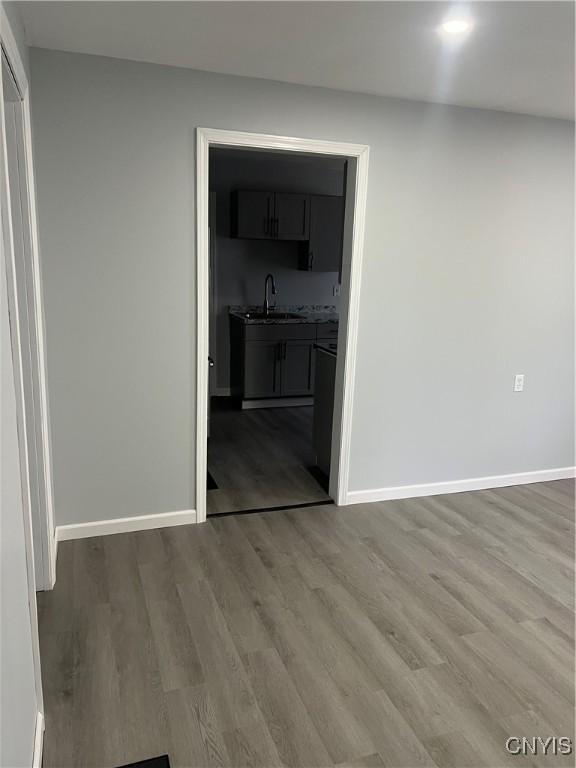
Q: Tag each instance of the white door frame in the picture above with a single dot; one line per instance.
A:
(345, 372)
(8, 43)
(47, 579)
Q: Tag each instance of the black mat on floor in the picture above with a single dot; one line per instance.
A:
(322, 479)
(152, 762)
(211, 485)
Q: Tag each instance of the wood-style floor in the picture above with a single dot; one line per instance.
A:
(409, 633)
(260, 459)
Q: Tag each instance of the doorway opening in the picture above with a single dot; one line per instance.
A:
(276, 243)
(279, 243)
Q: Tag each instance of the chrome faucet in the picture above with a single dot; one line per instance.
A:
(266, 307)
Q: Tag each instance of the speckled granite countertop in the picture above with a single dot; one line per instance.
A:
(306, 313)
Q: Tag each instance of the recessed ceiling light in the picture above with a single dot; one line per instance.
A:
(456, 27)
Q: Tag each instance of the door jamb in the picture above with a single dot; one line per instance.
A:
(47, 579)
(346, 368)
(8, 44)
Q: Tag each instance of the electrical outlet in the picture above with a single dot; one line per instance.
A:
(336, 290)
(519, 382)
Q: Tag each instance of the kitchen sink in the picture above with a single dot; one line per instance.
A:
(271, 316)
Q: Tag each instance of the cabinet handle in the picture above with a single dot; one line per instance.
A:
(275, 226)
(310, 260)
(284, 351)
(267, 218)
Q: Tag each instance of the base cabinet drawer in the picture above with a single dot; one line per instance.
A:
(280, 332)
(327, 331)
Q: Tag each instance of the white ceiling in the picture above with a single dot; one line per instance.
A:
(519, 56)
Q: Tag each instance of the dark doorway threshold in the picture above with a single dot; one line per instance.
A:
(153, 762)
(322, 503)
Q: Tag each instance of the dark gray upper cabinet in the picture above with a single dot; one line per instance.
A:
(270, 215)
(253, 214)
(317, 221)
(326, 232)
(291, 216)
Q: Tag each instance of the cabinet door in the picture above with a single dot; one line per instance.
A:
(292, 216)
(262, 369)
(253, 212)
(326, 233)
(297, 368)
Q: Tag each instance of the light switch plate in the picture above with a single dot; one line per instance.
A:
(519, 382)
(336, 290)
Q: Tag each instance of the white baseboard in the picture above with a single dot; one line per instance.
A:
(38, 741)
(458, 486)
(125, 525)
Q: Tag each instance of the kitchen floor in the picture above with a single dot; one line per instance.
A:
(260, 458)
(422, 632)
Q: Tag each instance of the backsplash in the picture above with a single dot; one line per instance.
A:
(302, 308)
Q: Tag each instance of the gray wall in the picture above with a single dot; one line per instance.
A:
(17, 27)
(467, 279)
(18, 703)
(241, 266)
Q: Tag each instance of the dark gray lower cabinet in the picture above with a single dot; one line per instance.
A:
(278, 368)
(297, 366)
(274, 360)
(324, 385)
(261, 369)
